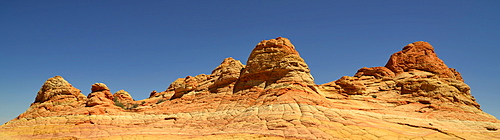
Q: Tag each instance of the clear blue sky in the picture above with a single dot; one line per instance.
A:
(142, 46)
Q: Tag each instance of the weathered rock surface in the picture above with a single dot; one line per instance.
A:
(122, 95)
(100, 96)
(415, 96)
(227, 72)
(57, 88)
(420, 55)
(377, 72)
(274, 64)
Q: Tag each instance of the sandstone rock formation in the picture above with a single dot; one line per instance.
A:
(274, 64)
(377, 72)
(100, 96)
(122, 95)
(227, 72)
(57, 88)
(415, 96)
(420, 55)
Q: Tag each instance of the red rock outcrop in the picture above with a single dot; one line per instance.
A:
(228, 72)
(57, 88)
(122, 95)
(378, 72)
(56, 97)
(420, 56)
(274, 96)
(274, 64)
(222, 77)
(100, 95)
(418, 75)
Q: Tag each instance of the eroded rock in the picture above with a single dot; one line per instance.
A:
(227, 72)
(100, 96)
(377, 72)
(122, 95)
(57, 87)
(274, 64)
(420, 56)
(272, 97)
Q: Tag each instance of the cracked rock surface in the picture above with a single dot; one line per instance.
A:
(415, 96)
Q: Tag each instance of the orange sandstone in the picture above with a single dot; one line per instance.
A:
(415, 96)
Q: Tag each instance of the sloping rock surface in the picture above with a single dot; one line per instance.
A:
(414, 96)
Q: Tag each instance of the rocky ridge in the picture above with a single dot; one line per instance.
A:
(414, 96)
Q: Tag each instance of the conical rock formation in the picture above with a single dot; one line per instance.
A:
(420, 56)
(227, 72)
(419, 75)
(274, 64)
(56, 97)
(57, 87)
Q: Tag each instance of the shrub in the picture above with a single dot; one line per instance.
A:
(134, 106)
(118, 103)
(160, 101)
(127, 106)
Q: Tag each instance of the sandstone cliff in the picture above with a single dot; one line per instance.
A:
(414, 96)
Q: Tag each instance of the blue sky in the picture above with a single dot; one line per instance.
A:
(140, 46)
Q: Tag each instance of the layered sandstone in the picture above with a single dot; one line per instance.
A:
(100, 96)
(274, 64)
(122, 95)
(57, 88)
(420, 55)
(415, 96)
